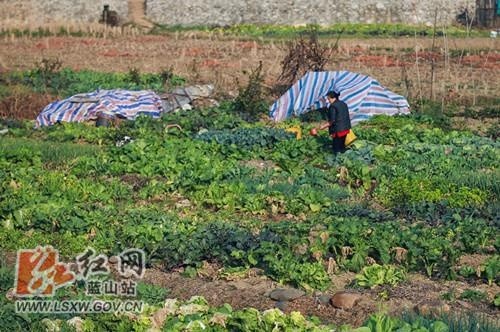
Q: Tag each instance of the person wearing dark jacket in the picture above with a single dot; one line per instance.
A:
(339, 122)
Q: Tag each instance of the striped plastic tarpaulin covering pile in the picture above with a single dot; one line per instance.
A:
(363, 94)
(106, 103)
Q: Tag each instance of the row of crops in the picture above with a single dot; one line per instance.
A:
(274, 31)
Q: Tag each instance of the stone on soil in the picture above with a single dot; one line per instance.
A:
(286, 294)
(345, 300)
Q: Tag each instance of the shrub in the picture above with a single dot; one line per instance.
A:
(250, 101)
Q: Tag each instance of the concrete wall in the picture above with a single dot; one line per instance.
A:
(200, 12)
(228, 12)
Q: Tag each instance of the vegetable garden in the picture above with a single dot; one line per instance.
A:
(411, 198)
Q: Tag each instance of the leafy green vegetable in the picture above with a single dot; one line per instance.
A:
(151, 294)
(375, 275)
(473, 295)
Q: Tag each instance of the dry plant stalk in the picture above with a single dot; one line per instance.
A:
(417, 68)
(304, 55)
(68, 28)
(433, 49)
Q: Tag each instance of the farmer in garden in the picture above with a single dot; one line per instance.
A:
(339, 122)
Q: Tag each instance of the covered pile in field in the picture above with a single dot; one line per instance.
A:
(182, 97)
(364, 95)
(101, 103)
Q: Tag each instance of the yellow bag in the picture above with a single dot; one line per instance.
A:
(296, 130)
(351, 137)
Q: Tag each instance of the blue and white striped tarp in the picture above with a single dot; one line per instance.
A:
(363, 94)
(107, 103)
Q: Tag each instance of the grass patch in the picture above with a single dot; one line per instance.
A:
(473, 295)
(66, 82)
(49, 152)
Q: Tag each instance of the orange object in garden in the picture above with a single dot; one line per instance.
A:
(313, 132)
